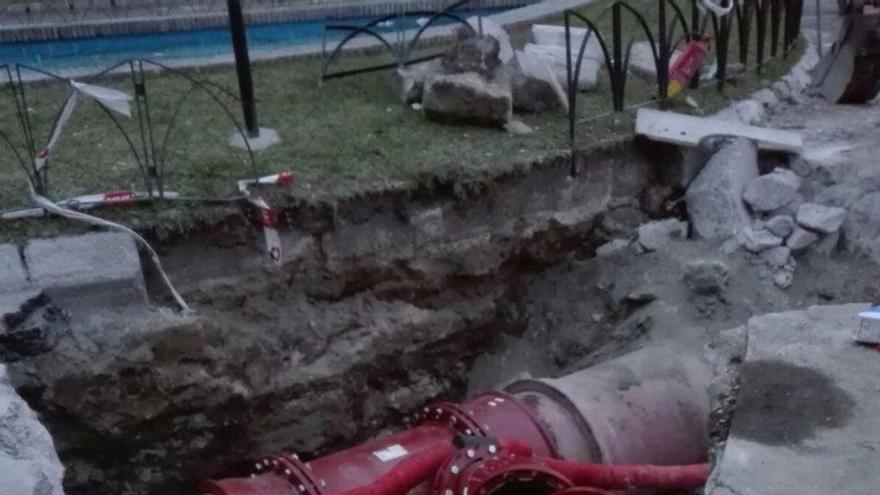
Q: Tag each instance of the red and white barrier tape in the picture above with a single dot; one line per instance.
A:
(268, 220)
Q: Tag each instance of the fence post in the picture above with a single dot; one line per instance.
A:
(664, 56)
(243, 67)
(572, 95)
(619, 69)
(775, 20)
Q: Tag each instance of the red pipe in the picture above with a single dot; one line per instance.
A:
(622, 477)
(408, 474)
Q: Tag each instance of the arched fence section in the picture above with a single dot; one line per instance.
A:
(402, 51)
(781, 19)
(144, 140)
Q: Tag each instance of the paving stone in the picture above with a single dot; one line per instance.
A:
(96, 269)
(819, 218)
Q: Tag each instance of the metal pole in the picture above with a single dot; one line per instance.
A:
(819, 40)
(243, 67)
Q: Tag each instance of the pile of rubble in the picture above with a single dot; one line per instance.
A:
(730, 201)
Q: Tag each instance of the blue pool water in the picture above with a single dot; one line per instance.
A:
(106, 51)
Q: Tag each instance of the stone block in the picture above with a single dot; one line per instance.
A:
(90, 270)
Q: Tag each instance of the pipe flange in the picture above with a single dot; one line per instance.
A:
(457, 417)
(291, 469)
(481, 468)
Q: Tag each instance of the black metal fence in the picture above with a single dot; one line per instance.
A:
(401, 49)
(145, 139)
(780, 19)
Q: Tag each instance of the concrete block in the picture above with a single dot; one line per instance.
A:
(801, 239)
(819, 218)
(95, 269)
(772, 191)
(758, 240)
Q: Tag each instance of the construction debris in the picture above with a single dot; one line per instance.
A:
(685, 130)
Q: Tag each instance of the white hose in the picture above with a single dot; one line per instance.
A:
(48, 205)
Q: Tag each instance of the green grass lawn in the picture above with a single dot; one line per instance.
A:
(352, 132)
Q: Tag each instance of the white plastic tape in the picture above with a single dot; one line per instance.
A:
(717, 9)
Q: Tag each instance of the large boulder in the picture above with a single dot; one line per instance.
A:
(535, 87)
(467, 98)
(28, 462)
(772, 191)
(714, 199)
(556, 58)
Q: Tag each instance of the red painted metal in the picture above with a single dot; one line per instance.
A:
(650, 407)
(358, 467)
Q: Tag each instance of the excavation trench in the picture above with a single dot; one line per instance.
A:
(384, 303)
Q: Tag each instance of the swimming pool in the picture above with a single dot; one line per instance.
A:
(105, 51)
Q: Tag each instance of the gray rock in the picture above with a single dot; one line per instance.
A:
(801, 239)
(827, 244)
(87, 271)
(706, 276)
(757, 241)
(518, 127)
(776, 257)
(655, 235)
(790, 209)
(614, 247)
(28, 462)
(780, 225)
(494, 30)
(783, 278)
(467, 98)
(410, 80)
(714, 199)
(535, 87)
(862, 226)
(819, 218)
(839, 195)
(803, 167)
(473, 54)
(772, 191)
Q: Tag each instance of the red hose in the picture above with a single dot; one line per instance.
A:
(408, 474)
(627, 477)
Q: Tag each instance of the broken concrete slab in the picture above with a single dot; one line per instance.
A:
(543, 34)
(641, 60)
(491, 28)
(612, 248)
(555, 57)
(805, 421)
(801, 239)
(714, 199)
(654, 235)
(772, 191)
(467, 97)
(95, 269)
(819, 218)
(29, 464)
(758, 240)
(535, 86)
(685, 130)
